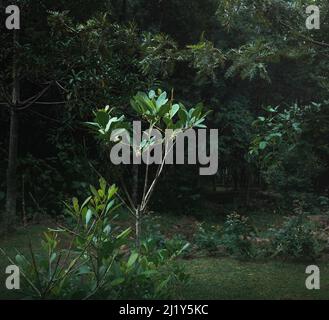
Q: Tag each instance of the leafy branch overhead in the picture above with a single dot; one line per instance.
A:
(155, 109)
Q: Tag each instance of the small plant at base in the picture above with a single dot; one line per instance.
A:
(207, 238)
(237, 235)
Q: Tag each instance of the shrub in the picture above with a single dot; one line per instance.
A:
(207, 238)
(155, 275)
(152, 274)
(97, 262)
(297, 239)
(237, 235)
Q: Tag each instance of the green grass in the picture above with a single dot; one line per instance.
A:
(225, 278)
(210, 278)
(18, 241)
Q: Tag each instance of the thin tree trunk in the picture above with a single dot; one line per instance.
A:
(23, 203)
(135, 173)
(11, 201)
(138, 228)
(11, 171)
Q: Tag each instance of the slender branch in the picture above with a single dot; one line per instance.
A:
(60, 86)
(35, 267)
(299, 34)
(50, 103)
(52, 277)
(102, 281)
(29, 102)
(127, 194)
(147, 170)
(159, 171)
(145, 182)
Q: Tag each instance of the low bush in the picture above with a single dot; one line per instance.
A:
(97, 259)
(297, 238)
(237, 236)
(207, 238)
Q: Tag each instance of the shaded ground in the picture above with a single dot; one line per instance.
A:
(18, 241)
(210, 278)
(225, 278)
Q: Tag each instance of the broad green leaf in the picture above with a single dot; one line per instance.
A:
(117, 282)
(102, 184)
(124, 234)
(174, 110)
(262, 145)
(132, 259)
(94, 191)
(186, 246)
(162, 100)
(164, 110)
(102, 118)
(86, 202)
(19, 259)
(89, 214)
(182, 114)
(101, 193)
(107, 229)
(75, 202)
(197, 111)
(109, 206)
(112, 191)
(53, 257)
(136, 106)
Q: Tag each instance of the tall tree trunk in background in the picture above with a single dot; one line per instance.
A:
(10, 215)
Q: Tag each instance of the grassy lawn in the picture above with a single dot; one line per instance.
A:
(225, 278)
(211, 278)
(18, 241)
